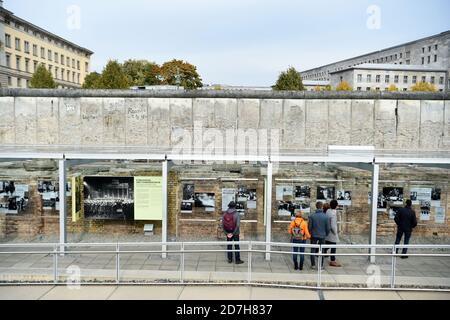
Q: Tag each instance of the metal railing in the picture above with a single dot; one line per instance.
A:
(60, 251)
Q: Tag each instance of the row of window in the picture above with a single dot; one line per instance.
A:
(429, 48)
(386, 89)
(435, 59)
(63, 74)
(21, 83)
(43, 37)
(45, 54)
(387, 79)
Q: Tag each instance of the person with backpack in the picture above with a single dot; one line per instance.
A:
(231, 222)
(406, 221)
(319, 228)
(298, 229)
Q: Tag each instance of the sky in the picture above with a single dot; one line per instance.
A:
(236, 42)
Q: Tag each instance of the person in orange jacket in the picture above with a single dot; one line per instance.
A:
(298, 229)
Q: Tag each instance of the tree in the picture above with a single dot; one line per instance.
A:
(392, 88)
(179, 72)
(113, 77)
(42, 78)
(327, 88)
(92, 81)
(142, 72)
(424, 86)
(344, 86)
(289, 80)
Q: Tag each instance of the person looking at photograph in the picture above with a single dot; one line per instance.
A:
(231, 222)
(406, 221)
(319, 228)
(332, 237)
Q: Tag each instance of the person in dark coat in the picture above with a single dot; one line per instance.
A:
(406, 221)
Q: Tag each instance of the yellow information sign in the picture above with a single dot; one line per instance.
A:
(148, 198)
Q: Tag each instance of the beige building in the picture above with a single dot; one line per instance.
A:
(378, 77)
(23, 46)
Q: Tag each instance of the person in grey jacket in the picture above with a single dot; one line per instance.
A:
(333, 237)
(319, 228)
(231, 223)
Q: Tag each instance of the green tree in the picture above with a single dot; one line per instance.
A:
(42, 78)
(113, 77)
(179, 72)
(424, 86)
(344, 86)
(92, 81)
(290, 80)
(142, 72)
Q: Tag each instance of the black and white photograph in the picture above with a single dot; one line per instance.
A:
(425, 208)
(240, 208)
(186, 206)
(49, 191)
(393, 212)
(228, 196)
(248, 196)
(344, 197)
(302, 192)
(188, 192)
(325, 193)
(290, 208)
(108, 198)
(13, 197)
(436, 197)
(205, 200)
(284, 192)
(382, 202)
(393, 195)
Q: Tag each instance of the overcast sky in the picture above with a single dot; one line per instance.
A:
(236, 42)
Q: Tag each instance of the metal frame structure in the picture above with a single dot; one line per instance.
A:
(357, 157)
(251, 248)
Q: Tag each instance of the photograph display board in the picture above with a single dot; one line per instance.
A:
(393, 195)
(425, 208)
(436, 197)
(420, 194)
(325, 193)
(439, 215)
(205, 200)
(108, 198)
(187, 203)
(292, 199)
(228, 195)
(49, 191)
(13, 197)
(344, 198)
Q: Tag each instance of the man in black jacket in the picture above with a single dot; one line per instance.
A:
(406, 221)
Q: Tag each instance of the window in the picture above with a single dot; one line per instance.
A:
(7, 40)
(441, 80)
(359, 77)
(423, 60)
(78, 78)
(9, 81)
(28, 83)
(423, 50)
(435, 47)
(429, 59)
(35, 50)
(369, 78)
(8, 61)
(78, 64)
(42, 53)
(401, 55)
(49, 55)
(73, 77)
(368, 89)
(86, 66)
(35, 64)
(50, 68)
(56, 57)
(17, 62)
(19, 82)
(424, 79)
(68, 75)
(432, 79)
(408, 61)
(68, 61)
(405, 89)
(62, 74)
(396, 57)
(27, 65)
(377, 89)
(396, 79)
(358, 89)
(56, 72)
(435, 58)
(378, 78)
(17, 44)
(408, 54)
(26, 47)
(405, 79)
(73, 64)
(386, 78)
(62, 59)
(414, 79)
(429, 48)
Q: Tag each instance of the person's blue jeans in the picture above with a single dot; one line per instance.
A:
(314, 250)
(399, 239)
(296, 250)
(236, 246)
